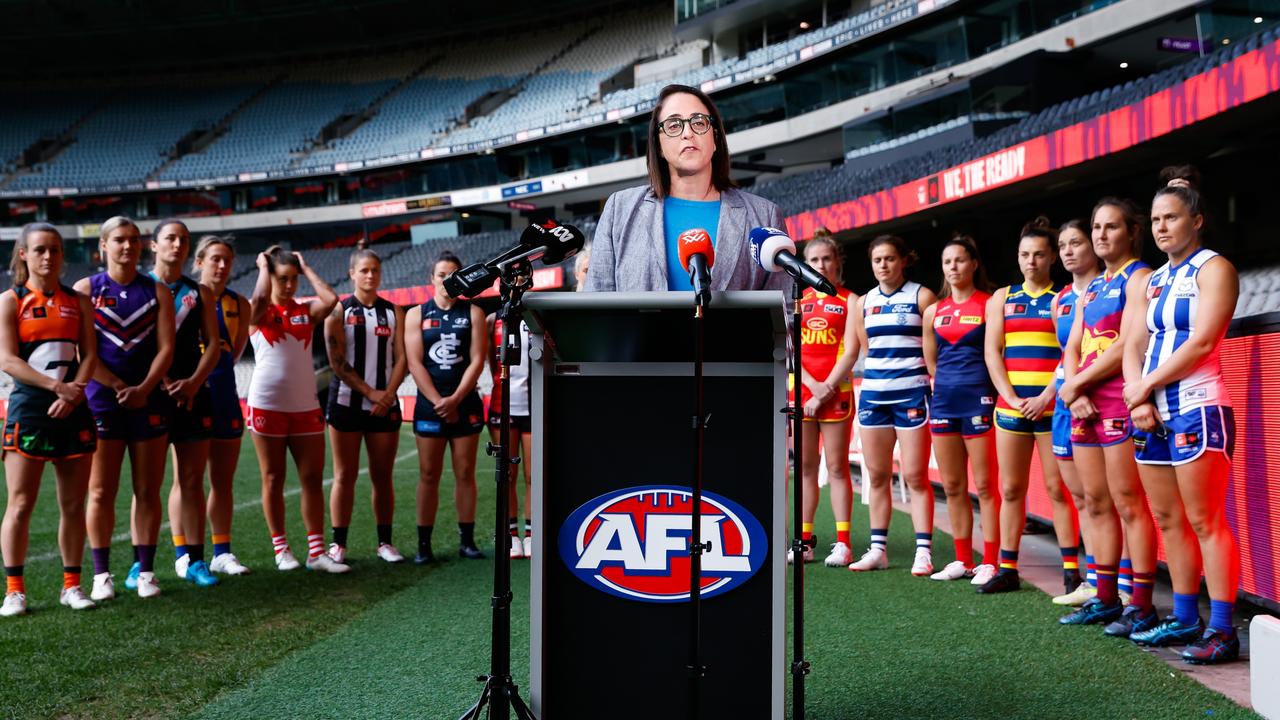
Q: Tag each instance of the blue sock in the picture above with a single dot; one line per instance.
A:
(1185, 608)
(924, 541)
(1126, 576)
(1091, 571)
(880, 538)
(1220, 615)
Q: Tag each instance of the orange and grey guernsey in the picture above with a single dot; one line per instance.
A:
(1031, 350)
(48, 337)
(822, 333)
(49, 326)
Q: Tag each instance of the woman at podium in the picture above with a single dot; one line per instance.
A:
(689, 187)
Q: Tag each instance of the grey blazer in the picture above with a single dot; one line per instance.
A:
(629, 252)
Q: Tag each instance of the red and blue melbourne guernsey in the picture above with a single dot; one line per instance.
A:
(963, 396)
(48, 341)
(824, 318)
(960, 329)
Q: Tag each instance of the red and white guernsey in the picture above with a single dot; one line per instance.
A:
(283, 377)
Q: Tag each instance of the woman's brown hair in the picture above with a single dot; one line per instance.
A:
(18, 266)
(659, 169)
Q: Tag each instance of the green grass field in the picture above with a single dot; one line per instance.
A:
(406, 641)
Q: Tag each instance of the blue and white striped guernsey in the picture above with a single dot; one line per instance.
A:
(1173, 298)
(895, 370)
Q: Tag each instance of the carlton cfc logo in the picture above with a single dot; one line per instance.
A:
(634, 543)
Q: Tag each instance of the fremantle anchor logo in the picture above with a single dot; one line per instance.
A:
(634, 543)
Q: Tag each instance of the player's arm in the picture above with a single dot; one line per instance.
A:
(479, 353)
(335, 341)
(101, 374)
(993, 349)
(844, 363)
(326, 298)
(413, 353)
(399, 368)
(930, 340)
(1219, 291)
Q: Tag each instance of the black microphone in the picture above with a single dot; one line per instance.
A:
(548, 241)
(774, 251)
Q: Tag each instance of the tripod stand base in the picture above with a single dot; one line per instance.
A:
(493, 688)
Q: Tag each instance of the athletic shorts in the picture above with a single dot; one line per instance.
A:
(1184, 438)
(961, 409)
(194, 423)
(1113, 424)
(277, 423)
(130, 424)
(523, 423)
(836, 410)
(427, 424)
(1061, 431)
(354, 420)
(905, 415)
(225, 408)
(49, 439)
(1012, 421)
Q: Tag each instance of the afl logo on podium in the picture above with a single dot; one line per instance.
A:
(634, 543)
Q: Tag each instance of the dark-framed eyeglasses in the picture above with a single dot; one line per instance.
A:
(673, 126)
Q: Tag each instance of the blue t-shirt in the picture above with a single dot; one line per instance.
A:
(680, 215)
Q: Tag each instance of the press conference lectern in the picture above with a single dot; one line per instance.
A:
(613, 446)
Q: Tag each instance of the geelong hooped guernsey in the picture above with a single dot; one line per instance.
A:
(283, 375)
(960, 330)
(446, 342)
(1067, 300)
(822, 333)
(1031, 350)
(1103, 307)
(1173, 298)
(124, 318)
(188, 344)
(895, 370)
(370, 351)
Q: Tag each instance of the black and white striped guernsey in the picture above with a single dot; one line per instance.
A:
(370, 351)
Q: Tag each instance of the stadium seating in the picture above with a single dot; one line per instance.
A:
(804, 191)
(413, 100)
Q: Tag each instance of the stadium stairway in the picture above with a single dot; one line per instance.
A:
(218, 129)
(364, 116)
(59, 143)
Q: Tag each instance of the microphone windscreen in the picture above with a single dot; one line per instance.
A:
(695, 242)
(562, 241)
(766, 243)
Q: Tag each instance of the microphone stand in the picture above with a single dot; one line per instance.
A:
(500, 692)
(697, 671)
(799, 666)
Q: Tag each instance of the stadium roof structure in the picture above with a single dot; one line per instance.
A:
(93, 38)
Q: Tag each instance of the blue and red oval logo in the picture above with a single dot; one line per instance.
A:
(634, 543)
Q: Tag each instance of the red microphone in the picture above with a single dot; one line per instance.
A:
(697, 255)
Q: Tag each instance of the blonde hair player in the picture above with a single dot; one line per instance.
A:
(133, 318)
(365, 338)
(215, 258)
